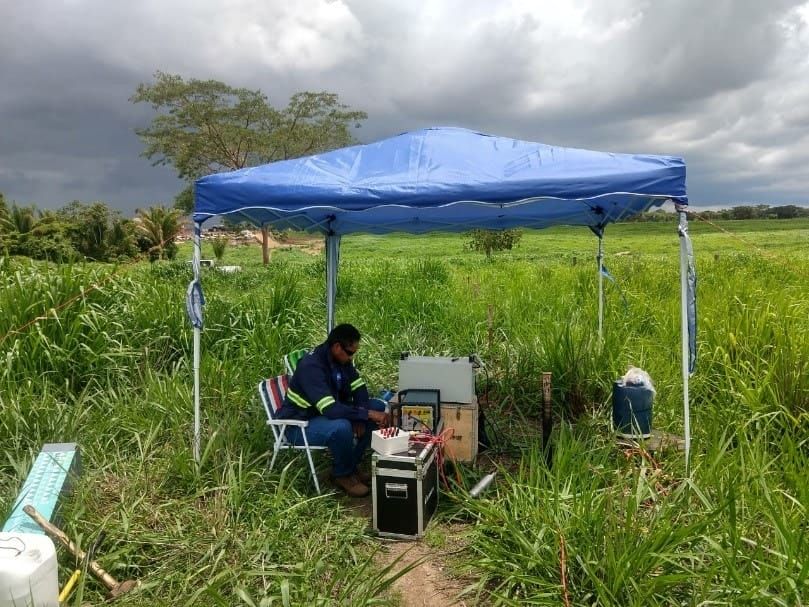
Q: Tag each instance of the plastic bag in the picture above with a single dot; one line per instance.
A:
(638, 377)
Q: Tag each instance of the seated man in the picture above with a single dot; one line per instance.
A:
(327, 390)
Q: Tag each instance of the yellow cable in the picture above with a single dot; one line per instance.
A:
(69, 586)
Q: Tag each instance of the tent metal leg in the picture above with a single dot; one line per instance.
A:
(683, 231)
(600, 258)
(197, 332)
(332, 261)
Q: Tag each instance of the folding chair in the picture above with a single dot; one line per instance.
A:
(272, 392)
(292, 359)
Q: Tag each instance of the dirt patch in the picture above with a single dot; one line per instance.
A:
(432, 582)
(304, 243)
(314, 248)
(272, 243)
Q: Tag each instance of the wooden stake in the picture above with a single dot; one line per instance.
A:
(547, 419)
(490, 325)
(265, 245)
(563, 569)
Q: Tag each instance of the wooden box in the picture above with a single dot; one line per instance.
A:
(462, 446)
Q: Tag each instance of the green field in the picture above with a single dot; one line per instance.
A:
(112, 372)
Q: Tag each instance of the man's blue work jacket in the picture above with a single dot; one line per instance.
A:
(322, 386)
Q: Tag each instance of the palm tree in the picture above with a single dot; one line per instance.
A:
(5, 223)
(122, 238)
(23, 219)
(7, 239)
(159, 226)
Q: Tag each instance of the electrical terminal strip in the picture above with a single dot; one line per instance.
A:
(390, 440)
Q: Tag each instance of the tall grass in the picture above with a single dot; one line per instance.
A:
(608, 531)
(111, 371)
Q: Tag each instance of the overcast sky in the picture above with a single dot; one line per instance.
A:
(724, 83)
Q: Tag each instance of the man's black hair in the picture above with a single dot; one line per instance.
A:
(344, 334)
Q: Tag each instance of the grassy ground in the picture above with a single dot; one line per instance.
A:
(112, 372)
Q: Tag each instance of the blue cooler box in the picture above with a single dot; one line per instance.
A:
(632, 410)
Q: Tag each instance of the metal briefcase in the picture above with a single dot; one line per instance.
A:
(405, 492)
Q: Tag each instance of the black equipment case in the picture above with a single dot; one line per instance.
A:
(405, 491)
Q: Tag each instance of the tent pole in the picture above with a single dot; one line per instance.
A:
(332, 259)
(329, 292)
(682, 231)
(600, 258)
(197, 331)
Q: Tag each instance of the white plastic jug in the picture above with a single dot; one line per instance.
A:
(28, 571)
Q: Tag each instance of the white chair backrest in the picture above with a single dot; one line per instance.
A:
(272, 392)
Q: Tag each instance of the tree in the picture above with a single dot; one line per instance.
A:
(71, 233)
(8, 236)
(789, 211)
(158, 227)
(758, 211)
(656, 215)
(207, 126)
(235, 226)
(98, 232)
(488, 241)
(16, 224)
(122, 239)
(23, 219)
(89, 228)
(220, 243)
(48, 239)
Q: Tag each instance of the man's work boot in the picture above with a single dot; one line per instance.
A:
(362, 476)
(351, 485)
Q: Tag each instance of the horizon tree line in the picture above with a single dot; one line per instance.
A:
(96, 232)
(87, 231)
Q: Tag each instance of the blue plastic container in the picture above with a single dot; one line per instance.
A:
(632, 410)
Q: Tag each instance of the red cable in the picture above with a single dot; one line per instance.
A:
(438, 440)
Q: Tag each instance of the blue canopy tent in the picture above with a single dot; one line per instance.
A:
(448, 179)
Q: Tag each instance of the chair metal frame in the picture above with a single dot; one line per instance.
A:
(271, 392)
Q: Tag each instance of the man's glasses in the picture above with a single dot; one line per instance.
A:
(348, 351)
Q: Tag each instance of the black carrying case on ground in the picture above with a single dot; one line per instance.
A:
(405, 492)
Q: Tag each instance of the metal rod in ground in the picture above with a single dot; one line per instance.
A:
(482, 485)
(116, 589)
(547, 418)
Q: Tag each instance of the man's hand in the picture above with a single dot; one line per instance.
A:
(380, 418)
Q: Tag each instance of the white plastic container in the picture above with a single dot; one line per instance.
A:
(28, 571)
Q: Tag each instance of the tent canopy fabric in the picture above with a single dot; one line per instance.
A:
(443, 179)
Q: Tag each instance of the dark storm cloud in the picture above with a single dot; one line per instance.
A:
(721, 83)
(69, 134)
